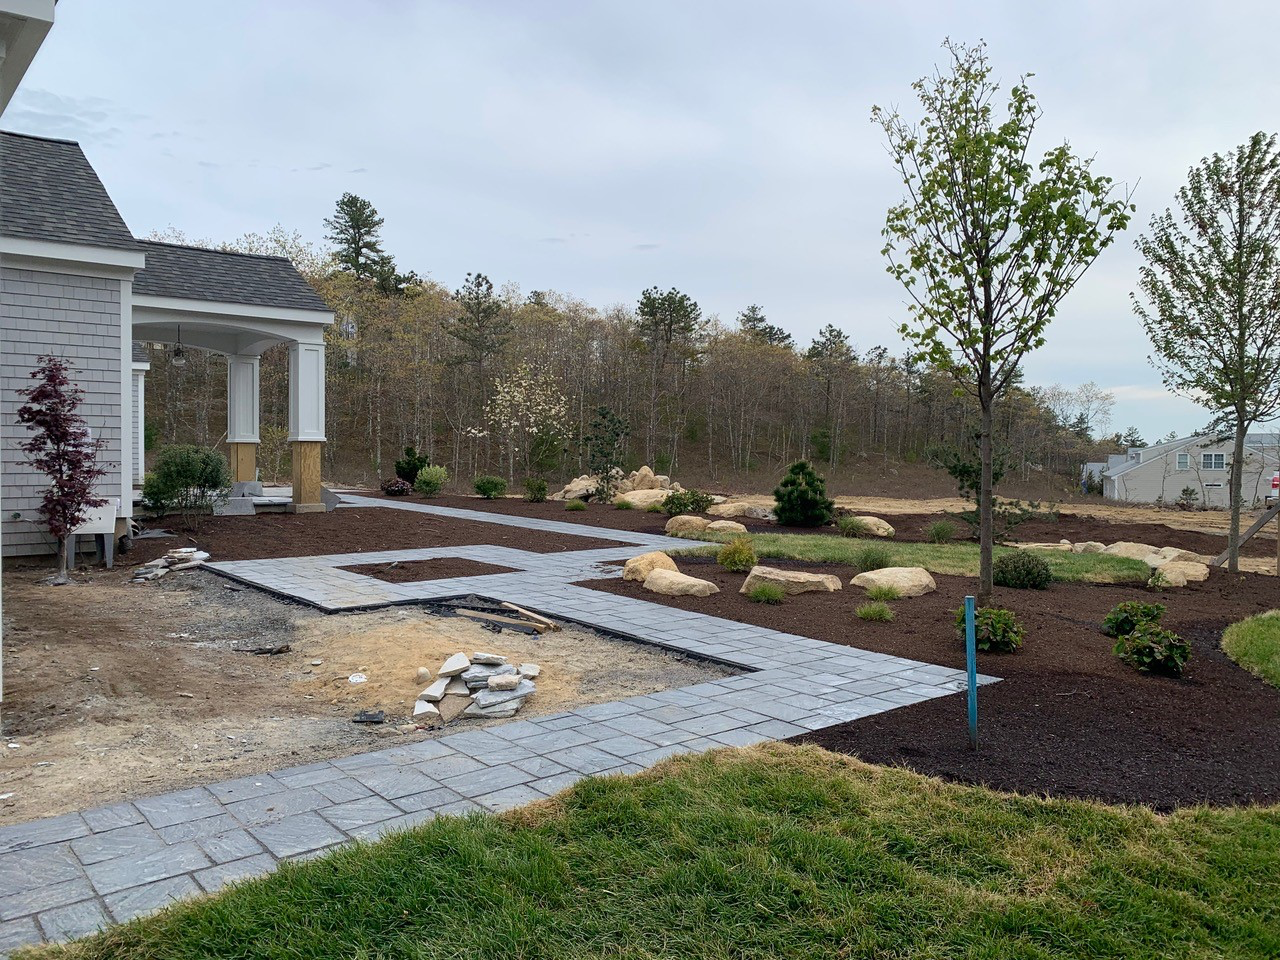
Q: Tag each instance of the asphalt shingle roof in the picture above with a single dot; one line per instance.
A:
(49, 191)
(196, 273)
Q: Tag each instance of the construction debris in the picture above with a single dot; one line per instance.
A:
(181, 558)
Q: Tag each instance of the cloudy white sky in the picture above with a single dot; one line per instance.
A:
(597, 148)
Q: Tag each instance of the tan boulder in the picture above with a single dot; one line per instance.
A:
(908, 581)
(644, 479)
(672, 583)
(739, 509)
(877, 527)
(576, 489)
(725, 526)
(1178, 573)
(791, 581)
(644, 499)
(1126, 548)
(1174, 554)
(1064, 547)
(1088, 546)
(639, 568)
(687, 523)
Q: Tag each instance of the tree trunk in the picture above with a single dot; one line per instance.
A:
(1237, 482)
(986, 524)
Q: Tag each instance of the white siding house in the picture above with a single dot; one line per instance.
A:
(1159, 473)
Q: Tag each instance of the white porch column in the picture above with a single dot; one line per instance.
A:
(242, 416)
(306, 423)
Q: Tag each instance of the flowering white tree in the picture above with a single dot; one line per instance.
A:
(528, 416)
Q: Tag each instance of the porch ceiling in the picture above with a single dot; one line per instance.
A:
(226, 328)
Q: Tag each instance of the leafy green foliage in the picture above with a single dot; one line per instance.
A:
(851, 526)
(430, 480)
(1153, 649)
(801, 498)
(1021, 570)
(995, 630)
(766, 593)
(1126, 617)
(535, 490)
(883, 592)
(491, 488)
(876, 610)
(870, 557)
(410, 465)
(686, 501)
(940, 531)
(737, 556)
(396, 487)
(575, 505)
(188, 479)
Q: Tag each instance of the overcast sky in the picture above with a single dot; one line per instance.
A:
(598, 148)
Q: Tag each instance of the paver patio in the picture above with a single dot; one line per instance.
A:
(67, 876)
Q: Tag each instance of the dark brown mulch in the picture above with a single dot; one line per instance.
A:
(601, 515)
(1068, 718)
(441, 568)
(349, 530)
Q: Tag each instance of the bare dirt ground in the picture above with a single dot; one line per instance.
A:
(116, 690)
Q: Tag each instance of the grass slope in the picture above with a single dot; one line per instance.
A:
(1254, 643)
(956, 559)
(776, 851)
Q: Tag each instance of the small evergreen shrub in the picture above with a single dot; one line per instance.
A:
(766, 593)
(940, 532)
(871, 557)
(431, 480)
(1021, 570)
(624, 505)
(1152, 649)
(491, 488)
(535, 490)
(994, 630)
(1126, 617)
(852, 526)
(575, 505)
(801, 498)
(686, 501)
(737, 556)
(188, 479)
(877, 611)
(654, 508)
(396, 488)
(410, 465)
(884, 592)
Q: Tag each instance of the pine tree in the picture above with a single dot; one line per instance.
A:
(480, 324)
(354, 229)
(753, 324)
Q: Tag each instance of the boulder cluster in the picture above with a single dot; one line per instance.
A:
(182, 558)
(1176, 567)
(642, 487)
(481, 685)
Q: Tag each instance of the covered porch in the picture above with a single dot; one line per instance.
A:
(238, 306)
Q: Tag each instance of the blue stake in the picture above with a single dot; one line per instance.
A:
(971, 663)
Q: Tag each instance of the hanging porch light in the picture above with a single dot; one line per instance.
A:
(179, 357)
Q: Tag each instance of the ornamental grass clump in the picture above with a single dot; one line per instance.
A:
(737, 556)
(575, 505)
(940, 532)
(871, 557)
(876, 611)
(766, 593)
(883, 592)
(850, 526)
(624, 505)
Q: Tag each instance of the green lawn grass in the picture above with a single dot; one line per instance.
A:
(957, 559)
(1254, 643)
(771, 852)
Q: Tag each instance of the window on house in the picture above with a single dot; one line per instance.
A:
(1184, 461)
(1213, 461)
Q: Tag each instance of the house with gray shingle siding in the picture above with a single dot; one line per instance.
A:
(1159, 473)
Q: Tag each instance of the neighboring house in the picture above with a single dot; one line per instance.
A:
(74, 282)
(1160, 472)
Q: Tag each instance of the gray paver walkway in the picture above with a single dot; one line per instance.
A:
(67, 876)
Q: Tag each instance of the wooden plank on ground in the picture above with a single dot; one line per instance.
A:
(504, 621)
(1261, 522)
(535, 617)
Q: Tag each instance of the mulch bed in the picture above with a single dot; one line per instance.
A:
(347, 530)
(602, 515)
(1068, 719)
(441, 568)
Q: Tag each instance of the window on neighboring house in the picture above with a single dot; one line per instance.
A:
(1213, 461)
(1184, 461)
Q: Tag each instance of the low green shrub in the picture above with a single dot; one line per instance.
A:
(1021, 570)
(410, 465)
(575, 505)
(877, 611)
(884, 591)
(1125, 617)
(535, 490)
(800, 500)
(850, 526)
(188, 479)
(737, 556)
(431, 480)
(1152, 649)
(686, 501)
(624, 505)
(766, 593)
(654, 508)
(491, 488)
(995, 630)
(871, 557)
(940, 531)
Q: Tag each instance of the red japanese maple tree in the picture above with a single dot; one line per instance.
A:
(62, 448)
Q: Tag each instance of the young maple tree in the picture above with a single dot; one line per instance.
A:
(61, 448)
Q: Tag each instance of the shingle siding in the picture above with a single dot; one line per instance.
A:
(1158, 476)
(77, 318)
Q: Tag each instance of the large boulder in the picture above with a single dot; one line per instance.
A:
(644, 479)
(578, 488)
(791, 581)
(639, 568)
(739, 509)
(643, 499)
(687, 523)
(672, 583)
(1167, 555)
(1088, 546)
(877, 527)
(1126, 548)
(908, 581)
(1178, 573)
(725, 526)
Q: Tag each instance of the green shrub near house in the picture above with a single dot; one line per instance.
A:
(800, 500)
(187, 479)
(491, 488)
(430, 480)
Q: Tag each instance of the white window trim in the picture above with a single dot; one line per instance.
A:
(1208, 461)
(1183, 461)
